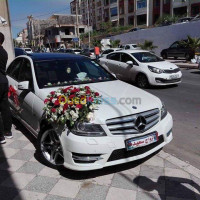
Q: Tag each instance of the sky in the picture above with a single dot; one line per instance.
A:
(20, 9)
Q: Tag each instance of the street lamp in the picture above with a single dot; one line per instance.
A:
(3, 21)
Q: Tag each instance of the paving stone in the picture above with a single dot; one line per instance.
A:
(91, 191)
(151, 185)
(103, 180)
(124, 181)
(192, 170)
(176, 173)
(163, 154)
(47, 171)
(18, 180)
(53, 197)
(11, 165)
(24, 138)
(152, 172)
(8, 152)
(28, 195)
(119, 194)
(179, 189)
(155, 161)
(170, 165)
(66, 188)
(132, 171)
(23, 155)
(41, 184)
(149, 196)
(174, 198)
(18, 144)
(177, 161)
(30, 146)
(31, 168)
(7, 193)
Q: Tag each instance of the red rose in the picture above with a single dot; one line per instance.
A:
(90, 99)
(65, 107)
(96, 94)
(72, 96)
(53, 110)
(88, 92)
(79, 106)
(66, 89)
(57, 103)
(87, 88)
(52, 93)
(51, 98)
(46, 101)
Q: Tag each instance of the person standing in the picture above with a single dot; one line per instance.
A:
(5, 129)
(97, 52)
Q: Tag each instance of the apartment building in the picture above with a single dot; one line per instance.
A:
(131, 12)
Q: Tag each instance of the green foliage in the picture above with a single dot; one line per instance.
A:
(106, 25)
(167, 19)
(147, 45)
(96, 42)
(114, 43)
(192, 43)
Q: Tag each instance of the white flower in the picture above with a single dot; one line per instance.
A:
(90, 116)
(72, 112)
(53, 100)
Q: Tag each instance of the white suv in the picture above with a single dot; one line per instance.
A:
(141, 67)
(121, 131)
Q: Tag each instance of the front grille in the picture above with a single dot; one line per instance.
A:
(126, 125)
(123, 153)
(161, 80)
(171, 71)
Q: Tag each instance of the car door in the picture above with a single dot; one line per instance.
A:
(173, 50)
(113, 63)
(128, 72)
(26, 97)
(12, 75)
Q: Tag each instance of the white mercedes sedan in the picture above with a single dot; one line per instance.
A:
(142, 67)
(122, 131)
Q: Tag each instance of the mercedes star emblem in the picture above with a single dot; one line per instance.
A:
(140, 123)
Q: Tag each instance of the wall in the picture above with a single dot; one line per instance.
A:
(6, 30)
(162, 37)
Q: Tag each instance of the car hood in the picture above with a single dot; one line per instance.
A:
(162, 65)
(114, 91)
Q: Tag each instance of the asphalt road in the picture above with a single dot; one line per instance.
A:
(183, 102)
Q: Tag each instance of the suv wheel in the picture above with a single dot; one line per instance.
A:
(142, 81)
(50, 148)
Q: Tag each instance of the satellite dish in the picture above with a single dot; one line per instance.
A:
(3, 21)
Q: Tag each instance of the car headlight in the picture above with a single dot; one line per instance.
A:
(155, 70)
(88, 130)
(163, 111)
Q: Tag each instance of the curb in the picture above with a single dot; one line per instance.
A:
(187, 167)
(187, 66)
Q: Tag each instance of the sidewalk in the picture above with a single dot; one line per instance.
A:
(184, 64)
(23, 177)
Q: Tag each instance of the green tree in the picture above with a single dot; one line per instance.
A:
(167, 19)
(106, 25)
(147, 45)
(114, 43)
(96, 43)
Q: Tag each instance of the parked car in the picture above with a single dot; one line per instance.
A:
(141, 67)
(77, 51)
(110, 139)
(131, 46)
(19, 52)
(107, 51)
(176, 50)
(185, 19)
(28, 50)
(135, 29)
(89, 53)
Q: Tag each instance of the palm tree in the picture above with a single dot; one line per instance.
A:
(114, 43)
(192, 43)
(147, 45)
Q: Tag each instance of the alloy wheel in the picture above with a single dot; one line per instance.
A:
(51, 147)
(142, 81)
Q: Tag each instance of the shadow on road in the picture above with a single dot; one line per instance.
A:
(196, 72)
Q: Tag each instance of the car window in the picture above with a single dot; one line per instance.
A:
(108, 51)
(14, 68)
(134, 46)
(127, 47)
(125, 58)
(26, 73)
(174, 45)
(114, 56)
(146, 57)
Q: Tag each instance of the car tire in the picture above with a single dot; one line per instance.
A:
(50, 148)
(164, 55)
(142, 81)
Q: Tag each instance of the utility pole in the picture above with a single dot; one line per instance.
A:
(88, 21)
(118, 12)
(77, 23)
(39, 34)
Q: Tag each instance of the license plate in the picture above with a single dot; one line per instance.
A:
(134, 143)
(174, 76)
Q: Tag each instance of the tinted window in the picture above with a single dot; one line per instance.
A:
(68, 72)
(127, 47)
(114, 56)
(146, 57)
(26, 73)
(108, 51)
(125, 58)
(175, 45)
(14, 68)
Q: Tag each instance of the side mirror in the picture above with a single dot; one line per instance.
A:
(23, 85)
(129, 63)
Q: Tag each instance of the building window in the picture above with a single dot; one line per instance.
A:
(81, 30)
(113, 12)
(113, 1)
(141, 19)
(121, 21)
(156, 3)
(131, 20)
(66, 31)
(195, 10)
(141, 4)
(130, 6)
(106, 2)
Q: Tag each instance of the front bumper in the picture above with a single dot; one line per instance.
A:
(110, 149)
(164, 79)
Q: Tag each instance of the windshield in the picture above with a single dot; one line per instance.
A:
(146, 57)
(55, 73)
(28, 50)
(77, 50)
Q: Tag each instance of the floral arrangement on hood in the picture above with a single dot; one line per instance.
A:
(70, 105)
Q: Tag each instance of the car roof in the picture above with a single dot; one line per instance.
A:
(130, 44)
(54, 56)
(132, 51)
